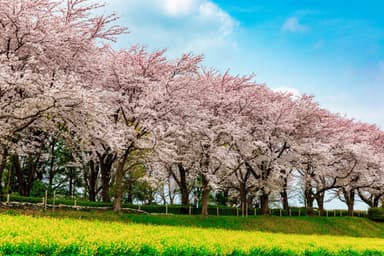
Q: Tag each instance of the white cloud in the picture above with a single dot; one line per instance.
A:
(177, 7)
(180, 26)
(292, 24)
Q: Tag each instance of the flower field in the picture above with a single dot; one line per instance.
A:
(21, 235)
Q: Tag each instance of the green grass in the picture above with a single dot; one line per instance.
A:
(341, 226)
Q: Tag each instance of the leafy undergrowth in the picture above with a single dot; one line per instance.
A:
(339, 226)
(21, 235)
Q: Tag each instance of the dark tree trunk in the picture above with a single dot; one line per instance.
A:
(284, 199)
(92, 181)
(183, 185)
(320, 202)
(309, 201)
(349, 196)
(120, 172)
(106, 161)
(181, 181)
(284, 193)
(310, 211)
(16, 166)
(51, 167)
(372, 200)
(250, 200)
(264, 200)
(32, 166)
(205, 195)
(118, 186)
(171, 194)
(2, 167)
(243, 199)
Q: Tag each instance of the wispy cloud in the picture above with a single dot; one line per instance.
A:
(293, 24)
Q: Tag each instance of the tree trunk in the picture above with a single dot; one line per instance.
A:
(32, 166)
(106, 162)
(19, 174)
(372, 200)
(264, 199)
(119, 181)
(309, 198)
(2, 167)
(183, 186)
(118, 186)
(181, 181)
(349, 196)
(205, 195)
(250, 200)
(92, 179)
(284, 199)
(320, 202)
(243, 199)
(51, 166)
(376, 201)
(171, 194)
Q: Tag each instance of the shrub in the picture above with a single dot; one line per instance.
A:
(376, 214)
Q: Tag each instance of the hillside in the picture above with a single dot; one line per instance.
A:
(338, 226)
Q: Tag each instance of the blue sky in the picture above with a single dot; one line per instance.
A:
(331, 49)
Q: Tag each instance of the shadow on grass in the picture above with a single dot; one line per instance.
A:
(338, 226)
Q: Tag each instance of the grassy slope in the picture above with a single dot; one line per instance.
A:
(338, 226)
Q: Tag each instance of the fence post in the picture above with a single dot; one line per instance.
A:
(75, 202)
(166, 209)
(7, 198)
(280, 213)
(255, 211)
(139, 207)
(299, 212)
(217, 211)
(290, 212)
(237, 211)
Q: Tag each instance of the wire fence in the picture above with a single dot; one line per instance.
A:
(57, 202)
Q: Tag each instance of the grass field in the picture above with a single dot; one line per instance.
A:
(92, 233)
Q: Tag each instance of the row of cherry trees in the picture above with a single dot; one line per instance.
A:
(71, 105)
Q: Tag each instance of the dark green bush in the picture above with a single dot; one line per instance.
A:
(376, 214)
(23, 199)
